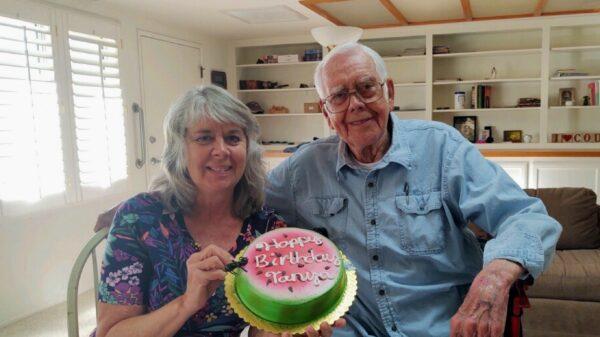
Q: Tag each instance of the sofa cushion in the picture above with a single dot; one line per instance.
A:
(558, 318)
(573, 275)
(577, 212)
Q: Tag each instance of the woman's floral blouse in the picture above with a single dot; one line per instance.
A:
(145, 263)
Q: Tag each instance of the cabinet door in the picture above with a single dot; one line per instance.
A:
(568, 172)
(518, 170)
(168, 70)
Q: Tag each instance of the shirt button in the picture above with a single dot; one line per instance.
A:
(370, 184)
(331, 214)
(394, 328)
(375, 257)
(381, 292)
(373, 222)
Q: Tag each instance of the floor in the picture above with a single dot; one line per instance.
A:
(52, 322)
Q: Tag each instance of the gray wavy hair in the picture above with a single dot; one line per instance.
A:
(174, 185)
(344, 49)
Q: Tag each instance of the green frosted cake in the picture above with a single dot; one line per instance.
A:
(293, 276)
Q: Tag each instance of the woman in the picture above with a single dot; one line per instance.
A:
(163, 268)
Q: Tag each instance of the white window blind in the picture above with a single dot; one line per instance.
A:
(98, 109)
(31, 159)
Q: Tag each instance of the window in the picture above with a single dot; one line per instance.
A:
(31, 154)
(98, 110)
(62, 126)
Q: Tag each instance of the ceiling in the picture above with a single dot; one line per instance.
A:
(393, 13)
(208, 15)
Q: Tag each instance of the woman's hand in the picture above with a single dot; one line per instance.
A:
(205, 273)
(325, 330)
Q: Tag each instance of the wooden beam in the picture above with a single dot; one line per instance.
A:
(581, 11)
(315, 2)
(539, 8)
(313, 7)
(466, 6)
(395, 12)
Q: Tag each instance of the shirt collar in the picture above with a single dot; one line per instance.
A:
(399, 151)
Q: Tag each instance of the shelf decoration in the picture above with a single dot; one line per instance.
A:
(579, 137)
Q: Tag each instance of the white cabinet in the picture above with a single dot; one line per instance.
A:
(539, 172)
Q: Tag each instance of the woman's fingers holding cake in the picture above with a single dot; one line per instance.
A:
(214, 250)
(204, 276)
(210, 263)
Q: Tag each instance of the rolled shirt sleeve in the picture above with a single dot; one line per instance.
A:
(483, 193)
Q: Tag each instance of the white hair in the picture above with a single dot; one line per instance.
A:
(345, 49)
(175, 187)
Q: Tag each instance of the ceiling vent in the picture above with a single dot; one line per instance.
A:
(266, 14)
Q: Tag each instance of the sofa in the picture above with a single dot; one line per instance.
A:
(565, 299)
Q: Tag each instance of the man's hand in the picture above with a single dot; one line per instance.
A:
(483, 313)
(325, 330)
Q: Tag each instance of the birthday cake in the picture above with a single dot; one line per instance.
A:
(292, 276)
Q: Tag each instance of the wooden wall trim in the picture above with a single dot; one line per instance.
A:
(540, 153)
(495, 153)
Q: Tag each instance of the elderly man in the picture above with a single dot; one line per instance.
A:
(396, 197)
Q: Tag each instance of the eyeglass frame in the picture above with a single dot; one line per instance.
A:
(350, 93)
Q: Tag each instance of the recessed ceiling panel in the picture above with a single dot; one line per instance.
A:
(359, 12)
(429, 10)
(570, 5)
(483, 8)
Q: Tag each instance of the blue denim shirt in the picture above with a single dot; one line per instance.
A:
(403, 223)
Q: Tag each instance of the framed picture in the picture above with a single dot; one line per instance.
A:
(483, 136)
(566, 95)
(513, 136)
(467, 126)
(219, 78)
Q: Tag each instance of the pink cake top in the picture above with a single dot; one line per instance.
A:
(292, 263)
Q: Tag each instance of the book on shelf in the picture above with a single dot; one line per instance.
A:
(483, 97)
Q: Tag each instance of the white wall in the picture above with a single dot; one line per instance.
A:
(37, 251)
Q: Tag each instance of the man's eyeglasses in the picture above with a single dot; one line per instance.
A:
(367, 92)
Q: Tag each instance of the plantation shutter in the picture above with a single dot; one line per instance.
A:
(98, 109)
(31, 157)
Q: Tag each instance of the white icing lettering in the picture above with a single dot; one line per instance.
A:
(261, 260)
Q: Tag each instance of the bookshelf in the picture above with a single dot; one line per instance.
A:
(526, 55)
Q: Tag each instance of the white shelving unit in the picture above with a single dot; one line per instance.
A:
(491, 53)
(525, 53)
(575, 107)
(491, 110)
(574, 78)
(278, 90)
(495, 80)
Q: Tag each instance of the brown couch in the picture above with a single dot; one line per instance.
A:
(565, 299)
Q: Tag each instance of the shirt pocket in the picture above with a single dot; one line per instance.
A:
(421, 223)
(330, 213)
